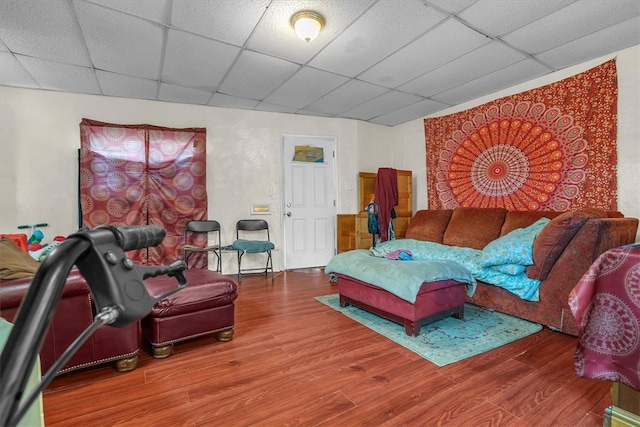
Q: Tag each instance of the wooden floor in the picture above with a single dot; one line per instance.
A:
(295, 361)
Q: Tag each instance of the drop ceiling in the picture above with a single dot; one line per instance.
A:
(382, 61)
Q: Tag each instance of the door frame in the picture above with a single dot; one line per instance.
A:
(283, 164)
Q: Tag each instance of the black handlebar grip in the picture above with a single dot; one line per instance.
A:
(139, 236)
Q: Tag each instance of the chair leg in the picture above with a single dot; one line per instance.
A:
(219, 261)
(269, 264)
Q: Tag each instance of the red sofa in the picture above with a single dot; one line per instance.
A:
(72, 316)
(562, 252)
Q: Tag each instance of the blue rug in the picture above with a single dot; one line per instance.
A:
(448, 340)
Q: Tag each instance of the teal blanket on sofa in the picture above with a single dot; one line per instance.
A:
(401, 278)
(501, 263)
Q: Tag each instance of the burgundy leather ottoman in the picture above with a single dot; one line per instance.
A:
(205, 306)
(435, 301)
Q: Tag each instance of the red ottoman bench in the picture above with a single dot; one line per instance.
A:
(205, 306)
(435, 301)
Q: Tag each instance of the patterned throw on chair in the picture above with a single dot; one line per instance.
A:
(550, 148)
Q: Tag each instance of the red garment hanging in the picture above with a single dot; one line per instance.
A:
(386, 196)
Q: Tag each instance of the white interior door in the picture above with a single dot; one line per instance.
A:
(309, 204)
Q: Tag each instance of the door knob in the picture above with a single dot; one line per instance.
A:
(288, 213)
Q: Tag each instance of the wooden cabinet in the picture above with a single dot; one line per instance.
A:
(353, 231)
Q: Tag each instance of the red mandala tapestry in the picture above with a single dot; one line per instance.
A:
(550, 148)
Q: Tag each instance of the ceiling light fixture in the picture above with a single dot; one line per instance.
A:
(307, 24)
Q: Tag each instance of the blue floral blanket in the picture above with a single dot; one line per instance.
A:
(502, 262)
(401, 278)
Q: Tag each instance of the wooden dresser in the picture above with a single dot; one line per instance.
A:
(353, 232)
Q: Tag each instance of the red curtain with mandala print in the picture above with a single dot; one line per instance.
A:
(550, 148)
(143, 174)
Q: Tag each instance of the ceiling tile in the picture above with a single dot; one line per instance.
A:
(520, 72)
(244, 54)
(13, 73)
(64, 77)
(624, 34)
(227, 21)
(570, 23)
(222, 100)
(113, 84)
(265, 106)
(202, 71)
(312, 113)
(440, 45)
(306, 86)
(255, 76)
(451, 6)
(411, 112)
(134, 49)
(347, 96)
(155, 10)
(477, 63)
(185, 95)
(48, 30)
(499, 17)
(382, 30)
(275, 36)
(384, 104)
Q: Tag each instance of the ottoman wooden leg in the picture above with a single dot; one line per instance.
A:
(412, 328)
(127, 364)
(162, 351)
(224, 336)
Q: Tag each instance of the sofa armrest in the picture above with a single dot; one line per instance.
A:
(596, 236)
(616, 232)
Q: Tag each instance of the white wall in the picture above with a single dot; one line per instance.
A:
(628, 66)
(39, 139)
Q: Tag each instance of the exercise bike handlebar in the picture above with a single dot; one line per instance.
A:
(116, 285)
(138, 236)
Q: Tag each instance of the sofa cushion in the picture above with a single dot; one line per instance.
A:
(14, 262)
(554, 238)
(429, 225)
(474, 227)
(521, 219)
(513, 248)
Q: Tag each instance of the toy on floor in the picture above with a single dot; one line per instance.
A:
(41, 253)
(35, 245)
(36, 235)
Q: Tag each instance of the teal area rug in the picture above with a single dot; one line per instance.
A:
(448, 340)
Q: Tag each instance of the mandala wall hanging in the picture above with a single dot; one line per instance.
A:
(550, 148)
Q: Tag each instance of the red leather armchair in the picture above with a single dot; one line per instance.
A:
(72, 316)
